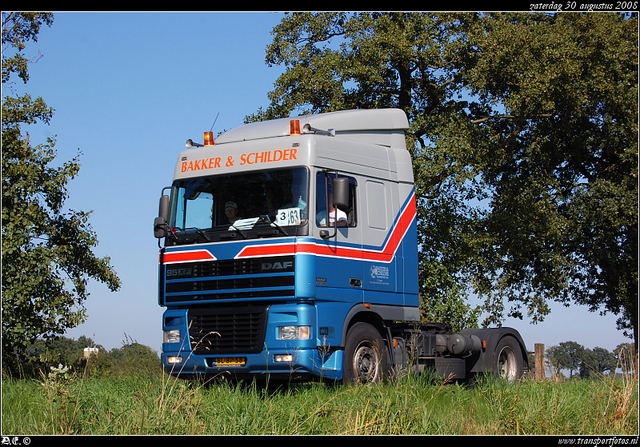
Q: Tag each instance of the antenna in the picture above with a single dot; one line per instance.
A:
(214, 122)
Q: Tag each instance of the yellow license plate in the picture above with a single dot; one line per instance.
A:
(229, 361)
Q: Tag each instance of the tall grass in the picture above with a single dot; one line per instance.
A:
(149, 404)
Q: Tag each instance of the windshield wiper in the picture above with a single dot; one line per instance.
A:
(264, 219)
(197, 230)
(275, 225)
(244, 235)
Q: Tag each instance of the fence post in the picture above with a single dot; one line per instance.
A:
(84, 362)
(539, 359)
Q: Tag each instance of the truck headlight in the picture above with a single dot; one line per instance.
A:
(294, 332)
(171, 336)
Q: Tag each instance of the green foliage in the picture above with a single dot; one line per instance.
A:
(132, 358)
(597, 361)
(42, 355)
(567, 355)
(573, 357)
(524, 143)
(17, 30)
(559, 151)
(47, 256)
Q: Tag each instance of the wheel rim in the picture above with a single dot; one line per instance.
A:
(366, 363)
(507, 364)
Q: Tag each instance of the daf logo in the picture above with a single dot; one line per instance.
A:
(277, 265)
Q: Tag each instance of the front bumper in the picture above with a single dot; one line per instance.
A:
(266, 355)
(290, 364)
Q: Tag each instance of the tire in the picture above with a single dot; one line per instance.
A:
(508, 362)
(365, 355)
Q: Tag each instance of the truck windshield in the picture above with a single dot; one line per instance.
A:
(240, 202)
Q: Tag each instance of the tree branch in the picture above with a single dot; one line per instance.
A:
(487, 118)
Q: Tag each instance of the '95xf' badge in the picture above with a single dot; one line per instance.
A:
(174, 273)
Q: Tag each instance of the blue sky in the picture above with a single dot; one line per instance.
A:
(128, 90)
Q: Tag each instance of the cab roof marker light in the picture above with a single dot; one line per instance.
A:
(208, 138)
(294, 127)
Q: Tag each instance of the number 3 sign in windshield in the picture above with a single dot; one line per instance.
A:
(289, 216)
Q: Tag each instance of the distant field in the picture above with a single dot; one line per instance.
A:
(144, 405)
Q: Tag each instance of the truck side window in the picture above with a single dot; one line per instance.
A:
(324, 199)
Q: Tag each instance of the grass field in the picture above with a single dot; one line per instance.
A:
(159, 405)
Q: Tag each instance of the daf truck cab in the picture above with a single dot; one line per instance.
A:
(288, 249)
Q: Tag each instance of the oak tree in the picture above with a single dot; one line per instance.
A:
(558, 143)
(47, 256)
(524, 143)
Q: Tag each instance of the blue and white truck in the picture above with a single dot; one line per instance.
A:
(258, 282)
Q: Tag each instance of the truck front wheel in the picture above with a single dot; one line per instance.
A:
(508, 359)
(365, 355)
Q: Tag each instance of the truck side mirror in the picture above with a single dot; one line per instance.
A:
(340, 200)
(160, 222)
(341, 193)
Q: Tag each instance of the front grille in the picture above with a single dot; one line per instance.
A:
(230, 279)
(230, 283)
(227, 330)
(232, 267)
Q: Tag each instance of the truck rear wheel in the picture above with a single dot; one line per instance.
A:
(365, 355)
(508, 359)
